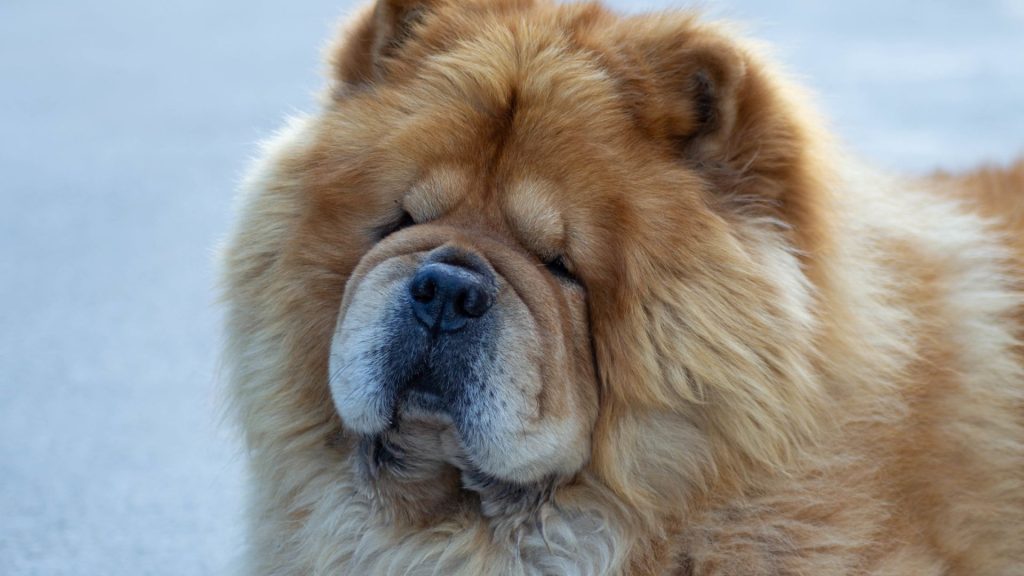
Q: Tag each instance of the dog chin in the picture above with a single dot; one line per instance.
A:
(423, 414)
(476, 438)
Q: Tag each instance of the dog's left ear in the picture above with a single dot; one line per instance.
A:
(373, 37)
(685, 83)
(706, 114)
(718, 106)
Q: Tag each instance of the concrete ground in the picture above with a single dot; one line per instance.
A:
(125, 126)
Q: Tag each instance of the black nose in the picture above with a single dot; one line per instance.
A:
(446, 297)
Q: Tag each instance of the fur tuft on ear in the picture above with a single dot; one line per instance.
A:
(375, 35)
(682, 82)
(705, 113)
(750, 135)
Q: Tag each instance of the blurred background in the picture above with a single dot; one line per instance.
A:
(125, 127)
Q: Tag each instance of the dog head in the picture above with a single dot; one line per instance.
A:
(570, 239)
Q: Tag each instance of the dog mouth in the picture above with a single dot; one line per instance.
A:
(423, 395)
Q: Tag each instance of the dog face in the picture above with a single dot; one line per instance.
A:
(471, 307)
(452, 320)
(466, 310)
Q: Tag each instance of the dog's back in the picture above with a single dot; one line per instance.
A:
(997, 193)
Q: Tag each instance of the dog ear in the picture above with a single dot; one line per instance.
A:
(705, 115)
(684, 83)
(374, 37)
(752, 136)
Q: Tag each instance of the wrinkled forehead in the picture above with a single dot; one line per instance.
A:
(519, 128)
(534, 210)
(509, 94)
(493, 124)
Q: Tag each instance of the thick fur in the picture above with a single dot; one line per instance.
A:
(784, 362)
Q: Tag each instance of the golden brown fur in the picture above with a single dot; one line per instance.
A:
(782, 362)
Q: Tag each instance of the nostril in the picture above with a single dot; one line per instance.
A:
(423, 289)
(474, 302)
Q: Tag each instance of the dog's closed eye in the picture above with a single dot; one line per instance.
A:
(404, 221)
(561, 270)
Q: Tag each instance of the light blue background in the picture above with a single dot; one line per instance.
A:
(124, 127)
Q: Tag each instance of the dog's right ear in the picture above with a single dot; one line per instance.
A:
(373, 38)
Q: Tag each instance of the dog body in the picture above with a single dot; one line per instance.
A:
(545, 290)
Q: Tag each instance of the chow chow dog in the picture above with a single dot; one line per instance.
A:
(543, 289)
